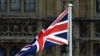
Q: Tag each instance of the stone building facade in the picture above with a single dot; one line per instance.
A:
(21, 20)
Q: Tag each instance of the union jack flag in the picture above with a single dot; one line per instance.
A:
(54, 34)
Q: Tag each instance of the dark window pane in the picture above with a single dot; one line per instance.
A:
(32, 1)
(26, 7)
(15, 5)
(29, 5)
(97, 29)
(98, 52)
(2, 52)
(27, 1)
(83, 48)
(83, 29)
(2, 5)
(14, 50)
(98, 6)
(32, 7)
(13, 1)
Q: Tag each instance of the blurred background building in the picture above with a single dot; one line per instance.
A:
(21, 20)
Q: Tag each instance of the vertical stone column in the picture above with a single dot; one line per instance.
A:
(22, 6)
(7, 49)
(82, 5)
(90, 12)
(57, 51)
(91, 7)
(91, 49)
(91, 37)
(59, 7)
(41, 8)
(8, 5)
(49, 8)
(76, 8)
(76, 37)
(88, 8)
(76, 14)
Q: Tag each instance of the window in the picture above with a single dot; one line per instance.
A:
(2, 52)
(15, 5)
(98, 52)
(14, 50)
(29, 5)
(83, 29)
(2, 5)
(98, 6)
(97, 29)
(83, 48)
(64, 51)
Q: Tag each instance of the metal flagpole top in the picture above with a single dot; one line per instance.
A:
(70, 4)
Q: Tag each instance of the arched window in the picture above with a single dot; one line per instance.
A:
(2, 52)
(14, 50)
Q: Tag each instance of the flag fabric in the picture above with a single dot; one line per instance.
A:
(54, 34)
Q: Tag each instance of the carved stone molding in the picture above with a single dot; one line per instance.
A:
(18, 27)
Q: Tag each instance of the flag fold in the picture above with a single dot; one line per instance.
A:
(54, 34)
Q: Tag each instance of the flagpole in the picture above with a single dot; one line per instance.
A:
(70, 28)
